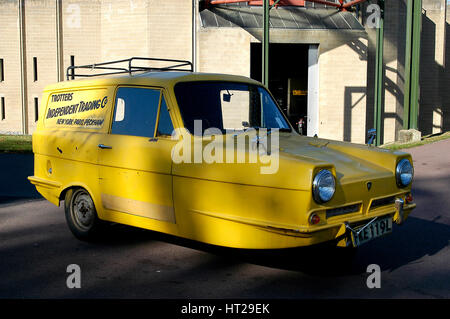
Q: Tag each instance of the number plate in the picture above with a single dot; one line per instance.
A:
(371, 231)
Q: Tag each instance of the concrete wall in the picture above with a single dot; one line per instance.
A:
(342, 89)
(94, 31)
(81, 32)
(170, 29)
(10, 88)
(394, 53)
(40, 27)
(433, 71)
(224, 50)
(393, 70)
(342, 71)
(123, 27)
(434, 79)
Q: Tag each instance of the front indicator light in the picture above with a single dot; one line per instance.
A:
(409, 198)
(314, 219)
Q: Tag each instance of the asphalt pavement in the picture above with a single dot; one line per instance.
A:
(36, 247)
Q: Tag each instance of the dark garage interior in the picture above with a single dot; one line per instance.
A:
(288, 70)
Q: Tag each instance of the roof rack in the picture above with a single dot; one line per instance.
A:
(113, 68)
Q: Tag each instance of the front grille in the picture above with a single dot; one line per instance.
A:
(342, 210)
(382, 202)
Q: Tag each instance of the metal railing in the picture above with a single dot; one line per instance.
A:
(118, 67)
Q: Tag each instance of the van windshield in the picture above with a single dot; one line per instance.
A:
(227, 106)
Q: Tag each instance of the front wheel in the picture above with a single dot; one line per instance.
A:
(81, 215)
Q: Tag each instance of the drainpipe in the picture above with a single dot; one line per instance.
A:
(59, 43)
(194, 34)
(265, 43)
(23, 67)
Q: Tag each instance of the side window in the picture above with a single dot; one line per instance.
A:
(165, 126)
(135, 112)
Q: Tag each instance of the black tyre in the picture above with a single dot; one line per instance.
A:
(81, 215)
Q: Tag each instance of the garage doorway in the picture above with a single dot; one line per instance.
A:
(289, 67)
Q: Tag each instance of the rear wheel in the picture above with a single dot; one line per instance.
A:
(81, 215)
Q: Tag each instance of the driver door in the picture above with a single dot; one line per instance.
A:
(135, 163)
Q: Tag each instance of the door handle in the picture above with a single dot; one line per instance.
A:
(102, 146)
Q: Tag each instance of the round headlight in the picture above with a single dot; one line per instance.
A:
(404, 173)
(324, 186)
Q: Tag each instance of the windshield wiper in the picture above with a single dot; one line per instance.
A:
(269, 130)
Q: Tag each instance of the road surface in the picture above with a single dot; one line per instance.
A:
(36, 247)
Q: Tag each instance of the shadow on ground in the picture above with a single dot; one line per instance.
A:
(407, 244)
(36, 248)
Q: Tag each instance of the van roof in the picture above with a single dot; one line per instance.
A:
(160, 79)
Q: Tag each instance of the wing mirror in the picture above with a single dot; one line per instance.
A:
(227, 96)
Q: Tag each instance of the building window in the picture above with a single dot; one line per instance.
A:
(2, 108)
(35, 74)
(2, 72)
(36, 109)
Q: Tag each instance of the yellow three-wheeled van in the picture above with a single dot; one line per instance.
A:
(209, 157)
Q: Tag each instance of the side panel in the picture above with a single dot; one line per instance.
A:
(135, 180)
(240, 216)
(66, 141)
(80, 109)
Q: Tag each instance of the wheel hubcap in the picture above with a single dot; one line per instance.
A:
(83, 210)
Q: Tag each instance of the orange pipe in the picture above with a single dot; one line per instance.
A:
(352, 3)
(227, 1)
(328, 3)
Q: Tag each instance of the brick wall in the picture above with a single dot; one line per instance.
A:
(433, 68)
(123, 29)
(170, 29)
(342, 89)
(40, 26)
(434, 76)
(95, 31)
(92, 31)
(224, 50)
(81, 30)
(10, 88)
